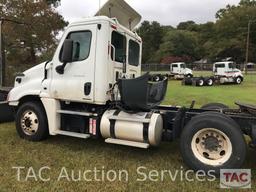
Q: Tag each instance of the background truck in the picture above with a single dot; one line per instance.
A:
(223, 72)
(93, 88)
(227, 73)
(179, 71)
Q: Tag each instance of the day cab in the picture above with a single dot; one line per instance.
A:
(103, 50)
(179, 70)
(227, 72)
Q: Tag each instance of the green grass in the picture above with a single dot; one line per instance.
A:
(227, 94)
(78, 154)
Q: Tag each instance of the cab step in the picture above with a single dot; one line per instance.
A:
(72, 134)
(79, 113)
(127, 143)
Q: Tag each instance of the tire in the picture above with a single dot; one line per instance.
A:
(214, 106)
(212, 141)
(187, 81)
(31, 122)
(200, 82)
(189, 75)
(2, 97)
(209, 82)
(238, 80)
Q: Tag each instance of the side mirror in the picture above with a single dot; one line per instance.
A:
(67, 51)
(66, 56)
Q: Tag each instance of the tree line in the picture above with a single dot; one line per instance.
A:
(214, 41)
(29, 30)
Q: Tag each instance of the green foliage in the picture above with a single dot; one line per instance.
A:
(179, 43)
(152, 34)
(42, 24)
(224, 38)
(188, 25)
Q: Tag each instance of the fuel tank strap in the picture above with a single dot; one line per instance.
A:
(145, 128)
(113, 123)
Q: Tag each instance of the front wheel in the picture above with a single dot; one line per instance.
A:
(213, 141)
(31, 122)
(189, 75)
(238, 80)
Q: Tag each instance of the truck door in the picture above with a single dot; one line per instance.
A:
(77, 82)
(175, 69)
(118, 53)
(182, 69)
(220, 69)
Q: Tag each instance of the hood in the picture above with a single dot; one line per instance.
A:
(36, 72)
(188, 71)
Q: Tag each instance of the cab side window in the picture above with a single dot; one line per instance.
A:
(119, 42)
(81, 44)
(220, 66)
(134, 53)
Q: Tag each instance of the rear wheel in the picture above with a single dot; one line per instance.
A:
(200, 82)
(209, 82)
(31, 122)
(210, 142)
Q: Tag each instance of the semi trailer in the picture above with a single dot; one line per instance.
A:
(93, 89)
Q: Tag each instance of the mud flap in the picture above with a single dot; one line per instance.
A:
(6, 113)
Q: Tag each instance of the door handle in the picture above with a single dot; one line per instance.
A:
(87, 88)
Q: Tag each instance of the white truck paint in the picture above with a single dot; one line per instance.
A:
(227, 73)
(75, 94)
(179, 70)
(103, 50)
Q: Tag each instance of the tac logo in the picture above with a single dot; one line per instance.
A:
(235, 178)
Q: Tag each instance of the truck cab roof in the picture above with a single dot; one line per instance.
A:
(99, 19)
(123, 12)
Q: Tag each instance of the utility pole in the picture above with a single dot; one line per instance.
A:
(1, 56)
(99, 4)
(248, 46)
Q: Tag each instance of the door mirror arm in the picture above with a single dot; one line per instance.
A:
(61, 68)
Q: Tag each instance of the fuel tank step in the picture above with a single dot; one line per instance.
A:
(127, 143)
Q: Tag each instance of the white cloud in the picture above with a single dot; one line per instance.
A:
(167, 12)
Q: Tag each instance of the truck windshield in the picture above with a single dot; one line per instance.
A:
(183, 66)
(231, 65)
(134, 53)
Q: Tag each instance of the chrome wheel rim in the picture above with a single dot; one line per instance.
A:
(29, 123)
(211, 146)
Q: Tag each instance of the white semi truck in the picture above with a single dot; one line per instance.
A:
(223, 73)
(180, 71)
(93, 88)
(227, 72)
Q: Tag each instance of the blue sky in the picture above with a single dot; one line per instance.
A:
(167, 12)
